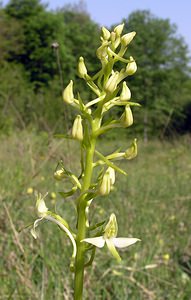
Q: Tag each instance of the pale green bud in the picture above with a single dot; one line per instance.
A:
(131, 67)
(68, 95)
(105, 186)
(132, 151)
(127, 117)
(77, 129)
(59, 174)
(118, 29)
(111, 84)
(107, 182)
(127, 38)
(113, 37)
(126, 93)
(82, 70)
(111, 173)
(105, 33)
(102, 51)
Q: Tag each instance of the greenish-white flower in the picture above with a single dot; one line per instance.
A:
(131, 67)
(111, 84)
(77, 129)
(127, 38)
(127, 117)
(107, 182)
(132, 151)
(59, 174)
(110, 238)
(68, 94)
(118, 29)
(82, 70)
(105, 33)
(44, 213)
(126, 93)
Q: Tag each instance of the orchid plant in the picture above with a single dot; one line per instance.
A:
(110, 89)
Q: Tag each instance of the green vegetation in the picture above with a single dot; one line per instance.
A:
(153, 202)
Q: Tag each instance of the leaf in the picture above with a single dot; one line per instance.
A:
(110, 164)
(68, 194)
(97, 225)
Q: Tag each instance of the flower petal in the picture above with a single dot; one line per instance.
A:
(112, 249)
(124, 242)
(33, 230)
(96, 241)
(41, 206)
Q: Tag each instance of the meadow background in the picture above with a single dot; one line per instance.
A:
(152, 203)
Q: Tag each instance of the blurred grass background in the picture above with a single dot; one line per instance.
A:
(153, 203)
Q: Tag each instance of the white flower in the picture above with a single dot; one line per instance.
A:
(110, 238)
(44, 213)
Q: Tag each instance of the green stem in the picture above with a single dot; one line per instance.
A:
(81, 224)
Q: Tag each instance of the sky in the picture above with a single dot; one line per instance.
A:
(109, 12)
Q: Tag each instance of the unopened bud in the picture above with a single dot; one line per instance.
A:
(131, 67)
(126, 93)
(77, 129)
(105, 186)
(102, 51)
(118, 29)
(127, 38)
(132, 151)
(59, 174)
(111, 173)
(105, 33)
(107, 182)
(68, 95)
(111, 84)
(113, 37)
(127, 117)
(82, 70)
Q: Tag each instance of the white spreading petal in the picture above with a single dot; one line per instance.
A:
(96, 241)
(124, 242)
